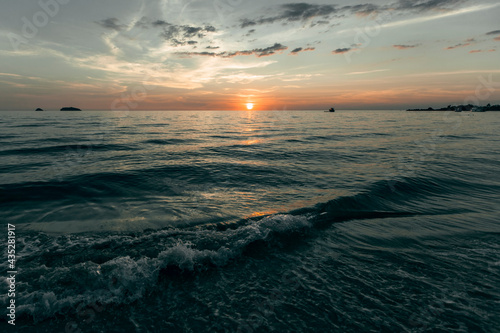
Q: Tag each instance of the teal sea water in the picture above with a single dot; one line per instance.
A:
(252, 221)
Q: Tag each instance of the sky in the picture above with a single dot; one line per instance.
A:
(225, 54)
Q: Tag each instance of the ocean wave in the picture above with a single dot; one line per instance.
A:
(79, 149)
(171, 141)
(165, 180)
(61, 272)
(56, 270)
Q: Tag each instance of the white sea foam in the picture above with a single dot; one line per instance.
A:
(126, 278)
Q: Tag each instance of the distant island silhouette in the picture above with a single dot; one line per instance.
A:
(459, 108)
(38, 109)
(70, 109)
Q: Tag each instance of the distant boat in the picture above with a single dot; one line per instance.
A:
(331, 110)
(70, 109)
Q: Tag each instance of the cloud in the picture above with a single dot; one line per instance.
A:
(301, 12)
(212, 47)
(244, 78)
(247, 23)
(299, 77)
(142, 23)
(363, 9)
(151, 73)
(111, 23)
(158, 23)
(296, 12)
(429, 5)
(293, 12)
(367, 72)
(404, 47)
(300, 49)
(203, 54)
(10, 74)
(457, 46)
(460, 72)
(259, 52)
(178, 35)
(494, 32)
(441, 15)
(478, 51)
(342, 50)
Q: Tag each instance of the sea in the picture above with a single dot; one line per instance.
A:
(250, 221)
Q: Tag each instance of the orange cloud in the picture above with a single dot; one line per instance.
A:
(478, 51)
(404, 47)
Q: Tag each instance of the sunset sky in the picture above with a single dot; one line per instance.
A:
(223, 54)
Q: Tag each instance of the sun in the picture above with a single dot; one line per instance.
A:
(249, 106)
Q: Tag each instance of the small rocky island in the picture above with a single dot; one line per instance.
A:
(38, 109)
(70, 108)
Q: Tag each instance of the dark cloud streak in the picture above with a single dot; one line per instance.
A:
(457, 46)
(258, 52)
(300, 49)
(301, 12)
(342, 50)
(261, 52)
(423, 6)
(111, 23)
(293, 12)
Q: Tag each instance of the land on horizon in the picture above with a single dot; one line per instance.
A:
(459, 108)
